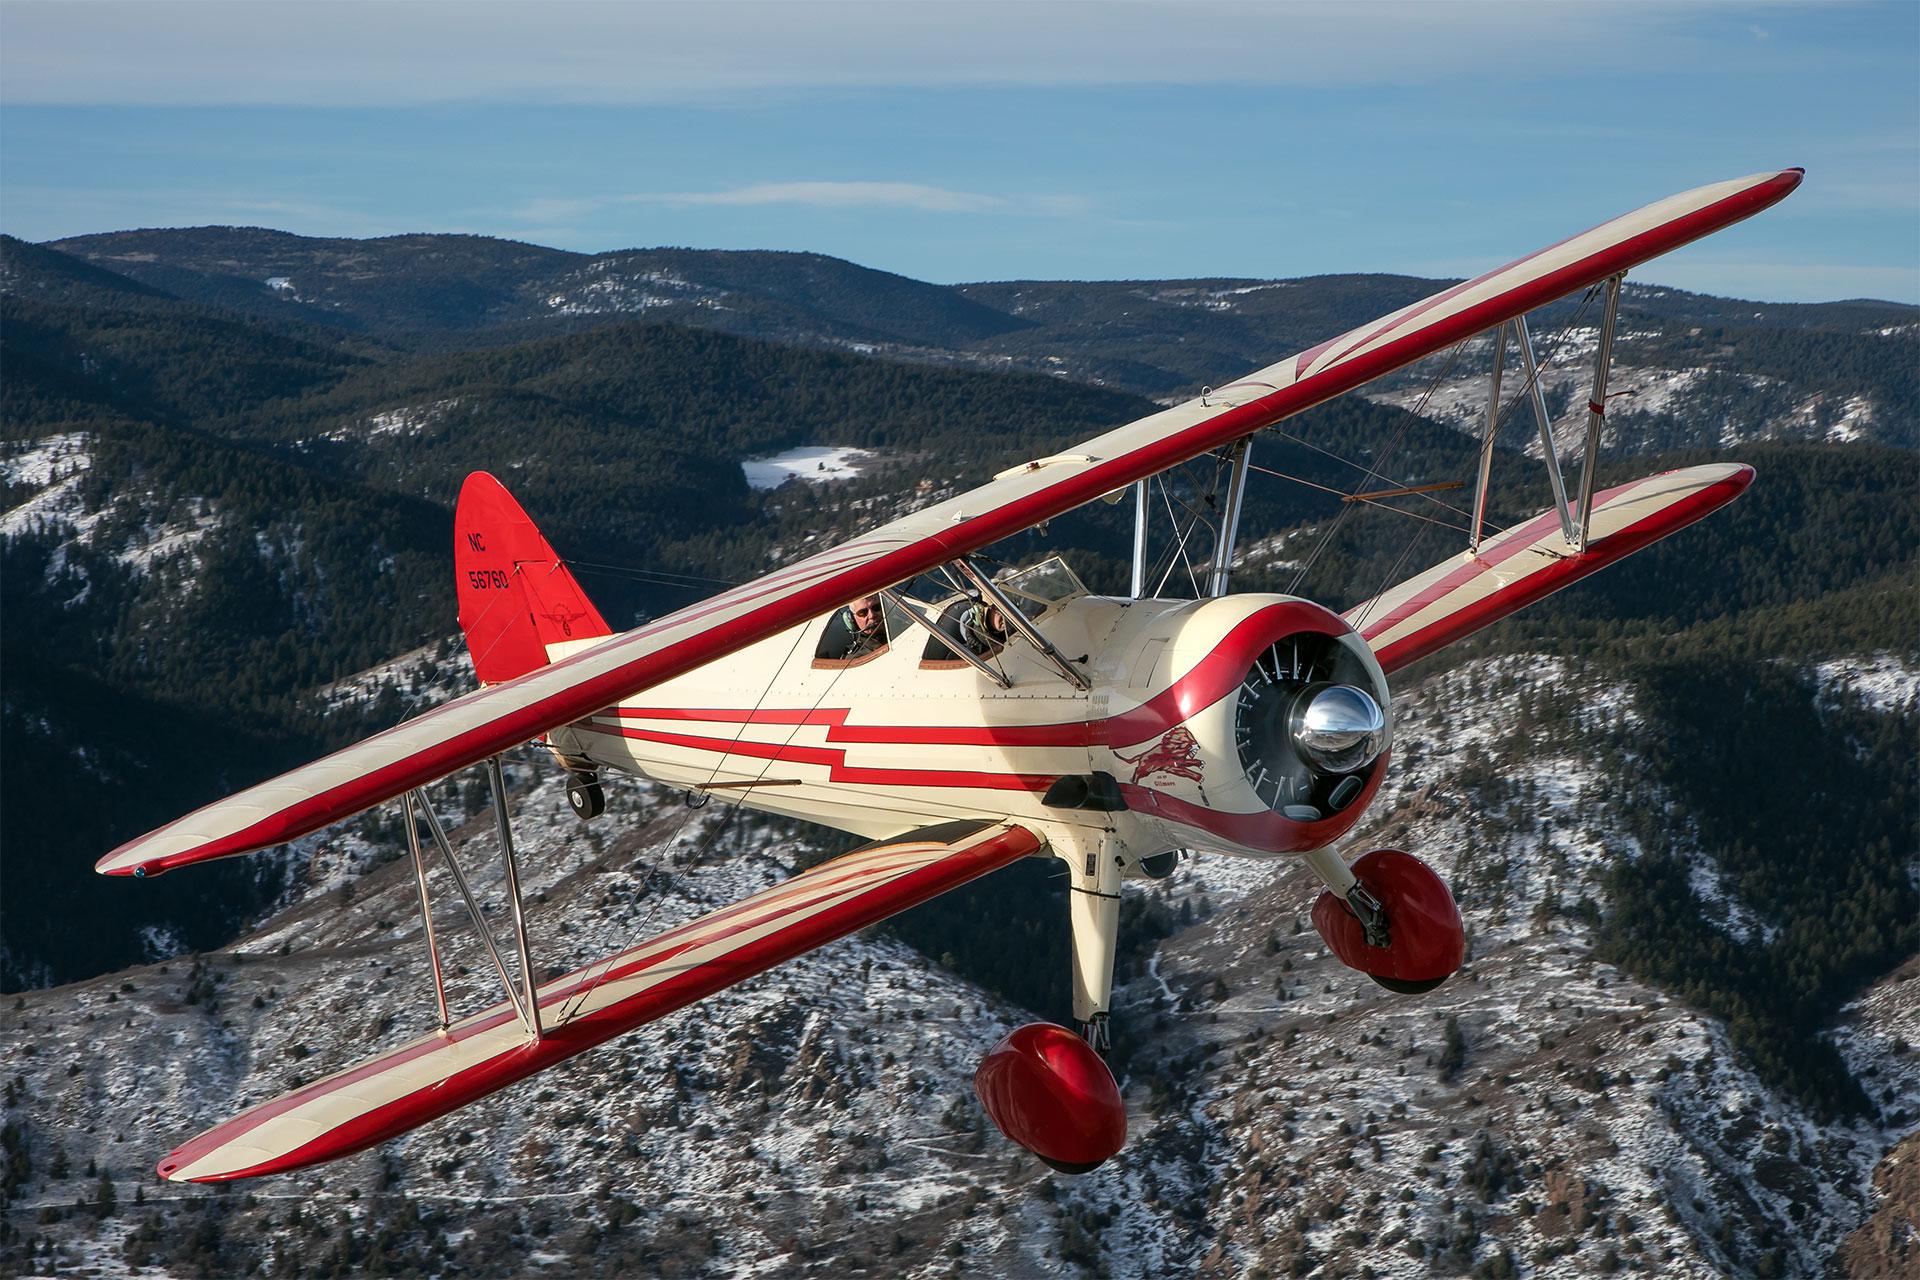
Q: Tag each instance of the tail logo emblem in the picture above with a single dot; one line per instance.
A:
(562, 617)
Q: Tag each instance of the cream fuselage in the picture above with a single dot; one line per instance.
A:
(895, 741)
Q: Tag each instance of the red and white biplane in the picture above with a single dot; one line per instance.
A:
(1020, 716)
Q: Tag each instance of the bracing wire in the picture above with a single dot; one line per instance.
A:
(1371, 471)
(1372, 502)
(1196, 520)
(726, 819)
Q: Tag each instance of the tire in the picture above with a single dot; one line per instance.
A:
(1407, 987)
(588, 799)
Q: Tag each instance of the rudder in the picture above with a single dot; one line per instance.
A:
(516, 595)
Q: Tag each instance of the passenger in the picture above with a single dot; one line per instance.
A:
(869, 629)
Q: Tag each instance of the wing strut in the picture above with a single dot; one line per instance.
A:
(407, 819)
(1139, 579)
(1574, 527)
(521, 997)
(1597, 407)
(1548, 451)
(1230, 521)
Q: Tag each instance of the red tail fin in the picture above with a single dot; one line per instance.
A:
(516, 597)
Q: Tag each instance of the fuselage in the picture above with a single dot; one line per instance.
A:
(911, 735)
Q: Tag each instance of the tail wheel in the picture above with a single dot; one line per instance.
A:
(587, 797)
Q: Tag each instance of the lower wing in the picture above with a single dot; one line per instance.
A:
(1532, 560)
(408, 1086)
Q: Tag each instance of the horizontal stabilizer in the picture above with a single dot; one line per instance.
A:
(408, 1086)
(1532, 560)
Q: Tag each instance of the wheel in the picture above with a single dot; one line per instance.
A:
(588, 799)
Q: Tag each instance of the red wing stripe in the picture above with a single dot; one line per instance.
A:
(835, 761)
(791, 898)
(1510, 544)
(1562, 572)
(1211, 679)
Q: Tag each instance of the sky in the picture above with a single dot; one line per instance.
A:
(986, 141)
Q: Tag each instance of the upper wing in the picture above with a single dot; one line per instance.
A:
(408, 1086)
(485, 723)
(1457, 597)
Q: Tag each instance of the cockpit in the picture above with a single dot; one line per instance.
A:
(963, 626)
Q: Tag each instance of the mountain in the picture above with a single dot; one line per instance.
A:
(1692, 370)
(1675, 802)
(420, 285)
(209, 518)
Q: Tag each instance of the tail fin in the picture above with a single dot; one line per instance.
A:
(516, 596)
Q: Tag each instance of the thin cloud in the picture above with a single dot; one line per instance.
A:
(843, 195)
(915, 197)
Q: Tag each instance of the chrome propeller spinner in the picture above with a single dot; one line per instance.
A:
(1338, 727)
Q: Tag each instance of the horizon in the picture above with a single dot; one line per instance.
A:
(1632, 282)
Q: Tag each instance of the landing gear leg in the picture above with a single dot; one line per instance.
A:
(1426, 945)
(586, 796)
(1094, 910)
(1337, 876)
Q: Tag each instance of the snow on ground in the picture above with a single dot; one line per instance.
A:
(1460, 401)
(1214, 299)
(1322, 1133)
(407, 420)
(815, 464)
(1855, 416)
(55, 465)
(157, 543)
(1883, 681)
(604, 287)
(436, 671)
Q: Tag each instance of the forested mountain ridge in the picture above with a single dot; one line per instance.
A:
(210, 516)
(1695, 369)
(411, 287)
(216, 515)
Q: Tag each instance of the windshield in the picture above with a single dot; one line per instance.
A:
(1041, 588)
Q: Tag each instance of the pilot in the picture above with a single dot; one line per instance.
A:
(986, 629)
(869, 630)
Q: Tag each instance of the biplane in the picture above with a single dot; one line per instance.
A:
(1016, 716)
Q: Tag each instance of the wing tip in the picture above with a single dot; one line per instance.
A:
(124, 861)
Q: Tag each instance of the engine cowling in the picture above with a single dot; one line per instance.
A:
(1265, 729)
(1047, 1090)
(1426, 940)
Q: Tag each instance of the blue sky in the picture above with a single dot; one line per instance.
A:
(985, 141)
